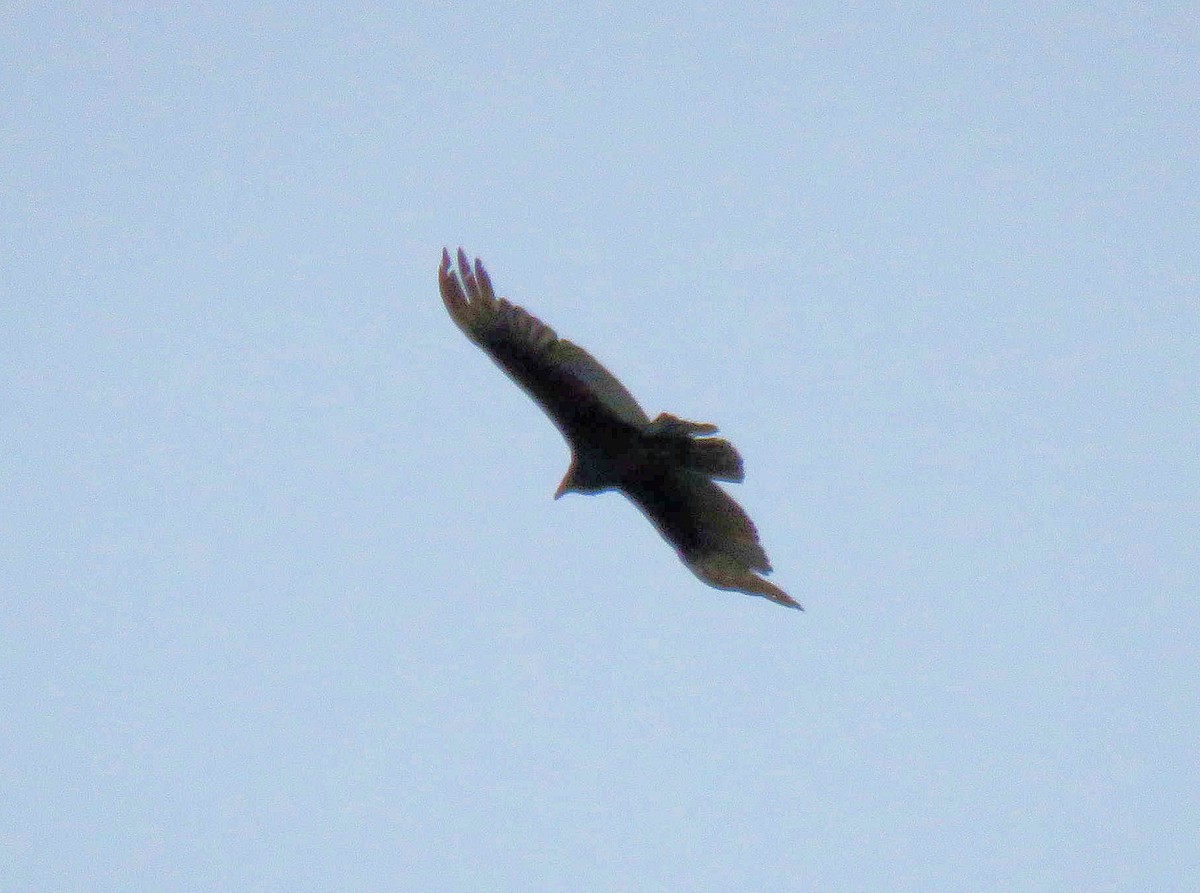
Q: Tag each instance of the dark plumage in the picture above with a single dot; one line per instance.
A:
(666, 466)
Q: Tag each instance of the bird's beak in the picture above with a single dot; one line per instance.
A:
(562, 488)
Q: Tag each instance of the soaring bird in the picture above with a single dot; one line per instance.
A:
(666, 466)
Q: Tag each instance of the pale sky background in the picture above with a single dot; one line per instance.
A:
(287, 605)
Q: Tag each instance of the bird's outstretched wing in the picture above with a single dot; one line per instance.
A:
(565, 380)
(712, 533)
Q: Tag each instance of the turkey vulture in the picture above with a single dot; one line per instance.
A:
(666, 466)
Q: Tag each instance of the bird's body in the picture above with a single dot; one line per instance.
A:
(666, 467)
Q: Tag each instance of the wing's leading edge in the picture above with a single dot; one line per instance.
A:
(566, 381)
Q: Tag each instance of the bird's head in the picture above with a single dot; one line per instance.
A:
(565, 486)
(581, 477)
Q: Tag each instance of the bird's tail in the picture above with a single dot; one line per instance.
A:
(715, 458)
(710, 456)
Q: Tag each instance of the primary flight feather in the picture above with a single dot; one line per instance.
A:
(666, 467)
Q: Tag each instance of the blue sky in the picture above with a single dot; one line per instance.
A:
(288, 605)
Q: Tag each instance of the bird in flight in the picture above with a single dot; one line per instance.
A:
(666, 467)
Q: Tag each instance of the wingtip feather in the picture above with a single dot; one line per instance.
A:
(724, 572)
(458, 304)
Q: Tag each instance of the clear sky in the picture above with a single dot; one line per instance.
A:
(287, 604)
